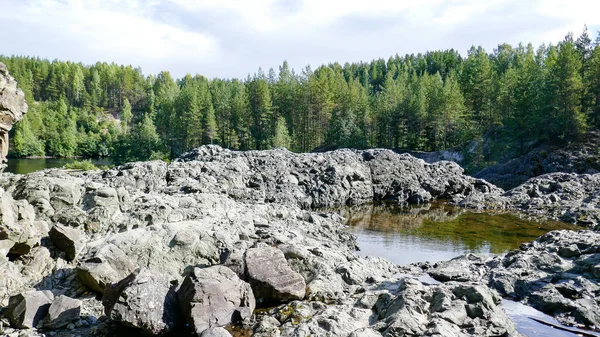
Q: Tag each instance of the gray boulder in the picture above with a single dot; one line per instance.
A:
(145, 177)
(214, 297)
(69, 240)
(18, 231)
(144, 300)
(272, 279)
(107, 265)
(215, 332)
(28, 310)
(63, 311)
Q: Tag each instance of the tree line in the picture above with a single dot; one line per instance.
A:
(438, 100)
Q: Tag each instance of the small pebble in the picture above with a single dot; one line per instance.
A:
(71, 326)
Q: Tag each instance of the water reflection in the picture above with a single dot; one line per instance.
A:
(437, 232)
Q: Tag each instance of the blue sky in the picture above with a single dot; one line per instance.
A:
(232, 38)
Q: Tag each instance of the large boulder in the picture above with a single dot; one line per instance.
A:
(272, 279)
(28, 310)
(62, 311)
(12, 108)
(214, 297)
(107, 265)
(18, 230)
(144, 300)
(69, 240)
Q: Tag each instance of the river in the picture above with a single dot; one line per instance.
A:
(28, 165)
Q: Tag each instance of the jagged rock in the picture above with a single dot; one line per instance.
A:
(28, 310)
(69, 240)
(579, 156)
(12, 108)
(107, 265)
(215, 332)
(214, 297)
(341, 177)
(18, 232)
(554, 274)
(168, 248)
(62, 311)
(569, 197)
(139, 176)
(366, 332)
(271, 277)
(464, 268)
(144, 300)
(102, 206)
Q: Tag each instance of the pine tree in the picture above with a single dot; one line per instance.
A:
(565, 84)
(281, 137)
(126, 116)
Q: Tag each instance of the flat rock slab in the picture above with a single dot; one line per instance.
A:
(272, 279)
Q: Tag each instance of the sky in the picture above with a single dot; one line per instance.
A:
(233, 38)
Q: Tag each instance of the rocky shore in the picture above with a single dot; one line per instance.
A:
(207, 240)
(221, 238)
(221, 242)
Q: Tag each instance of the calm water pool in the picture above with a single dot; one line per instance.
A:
(439, 232)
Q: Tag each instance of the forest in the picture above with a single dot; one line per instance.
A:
(512, 97)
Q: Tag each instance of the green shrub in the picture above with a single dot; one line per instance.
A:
(84, 165)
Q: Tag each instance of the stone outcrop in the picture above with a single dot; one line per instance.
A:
(568, 197)
(581, 157)
(12, 108)
(558, 274)
(341, 177)
(218, 232)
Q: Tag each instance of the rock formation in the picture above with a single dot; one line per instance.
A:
(148, 238)
(12, 108)
(558, 274)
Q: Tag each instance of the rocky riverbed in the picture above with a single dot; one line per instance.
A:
(221, 238)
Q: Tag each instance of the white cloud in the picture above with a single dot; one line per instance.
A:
(110, 30)
(229, 38)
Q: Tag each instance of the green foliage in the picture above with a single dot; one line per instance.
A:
(140, 144)
(439, 100)
(83, 165)
(281, 138)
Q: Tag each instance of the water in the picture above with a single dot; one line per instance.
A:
(28, 165)
(439, 232)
